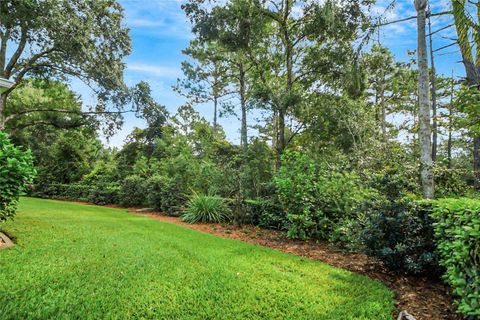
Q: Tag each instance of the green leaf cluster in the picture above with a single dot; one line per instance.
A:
(457, 230)
(16, 171)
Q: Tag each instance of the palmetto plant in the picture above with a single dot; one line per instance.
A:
(206, 208)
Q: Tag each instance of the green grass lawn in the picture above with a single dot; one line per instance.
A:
(75, 261)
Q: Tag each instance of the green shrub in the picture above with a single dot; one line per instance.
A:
(165, 195)
(297, 192)
(16, 171)
(104, 193)
(457, 230)
(77, 191)
(265, 213)
(400, 234)
(316, 198)
(73, 192)
(203, 208)
(449, 182)
(133, 191)
(395, 181)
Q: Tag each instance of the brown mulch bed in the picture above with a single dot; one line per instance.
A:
(422, 297)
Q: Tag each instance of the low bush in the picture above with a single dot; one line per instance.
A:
(164, 195)
(79, 192)
(133, 191)
(16, 172)
(266, 213)
(206, 208)
(259, 212)
(450, 182)
(457, 230)
(316, 198)
(400, 233)
(103, 194)
(73, 192)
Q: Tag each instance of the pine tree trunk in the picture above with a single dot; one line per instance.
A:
(243, 104)
(215, 107)
(450, 127)
(281, 137)
(424, 103)
(434, 95)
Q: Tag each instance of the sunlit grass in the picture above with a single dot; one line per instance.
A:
(75, 261)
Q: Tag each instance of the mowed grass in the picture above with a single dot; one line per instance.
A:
(76, 261)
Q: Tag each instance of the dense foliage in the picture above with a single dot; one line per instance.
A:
(457, 229)
(16, 172)
(400, 234)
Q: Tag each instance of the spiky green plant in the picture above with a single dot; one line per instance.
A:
(206, 208)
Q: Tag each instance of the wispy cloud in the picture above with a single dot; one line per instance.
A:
(154, 70)
(140, 22)
(161, 19)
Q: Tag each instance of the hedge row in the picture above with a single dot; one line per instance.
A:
(162, 194)
(457, 230)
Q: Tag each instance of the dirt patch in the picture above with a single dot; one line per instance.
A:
(5, 241)
(424, 298)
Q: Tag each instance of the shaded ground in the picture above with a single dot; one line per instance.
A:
(422, 297)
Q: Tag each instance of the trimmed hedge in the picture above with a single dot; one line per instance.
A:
(98, 194)
(165, 195)
(133, 192)
(457, 230)
(400, 233)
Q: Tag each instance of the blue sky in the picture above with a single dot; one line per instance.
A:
(160, 30)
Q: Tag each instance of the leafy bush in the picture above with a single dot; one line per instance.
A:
(315, 198)
(297, 191)
(203, 208)
(400, 234)
(449, 182)
(74, 192)
(165, 195)
(77, 191)
(395, 181)
(104, 193)
(259, 212)
(265, 213)
(16, 171)
(457, 230)
(133, 191)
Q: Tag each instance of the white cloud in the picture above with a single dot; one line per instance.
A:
(154, 70)
(140, 22)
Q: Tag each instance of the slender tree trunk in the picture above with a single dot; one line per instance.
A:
(449, 148)
(383, 112)
(243, 104)
(215, 107)
(281, 136)
(434, 95)
(424, 103)
(450, 126)
(288, 84)
(274, 130)
(3, 100)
